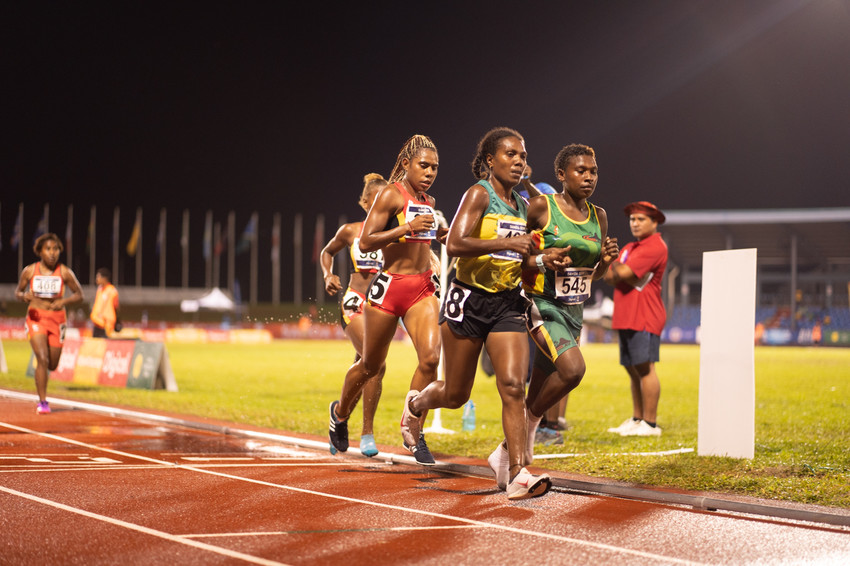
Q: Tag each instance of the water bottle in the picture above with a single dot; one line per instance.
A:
(468, 416)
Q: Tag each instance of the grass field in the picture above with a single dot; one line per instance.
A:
(802, 428)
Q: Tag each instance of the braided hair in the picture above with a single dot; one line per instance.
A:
(369, 181)
(411, 147)
(488, 146)
(568, 152)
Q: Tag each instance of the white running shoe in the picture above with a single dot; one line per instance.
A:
(526, 486)
(410, 424)
(500, 463)
(627, 424)
(642, 429)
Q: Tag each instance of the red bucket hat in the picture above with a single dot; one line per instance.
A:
(647, 208)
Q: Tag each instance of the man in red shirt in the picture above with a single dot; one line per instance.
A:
(639, 314)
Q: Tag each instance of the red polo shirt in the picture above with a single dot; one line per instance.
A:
(641, 308)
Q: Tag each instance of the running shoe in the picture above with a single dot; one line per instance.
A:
(337, 431)
(627, 424)
(642, 428)
(43, 408)
(421, 452)
(410, 424)
(500, 464)
(526, 486)
(547, 437)
(367, 445)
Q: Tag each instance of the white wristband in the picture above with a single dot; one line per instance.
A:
(539, 261)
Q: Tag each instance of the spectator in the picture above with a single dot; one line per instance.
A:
(104, 312)
(639, 314)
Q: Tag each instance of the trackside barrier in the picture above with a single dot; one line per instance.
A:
(132, 364)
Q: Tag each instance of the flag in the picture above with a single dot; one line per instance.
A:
(69, 228)
(184, 235)
(220, 244)
(90, 231)
(160, 233)
(248, 235)
(208, 236)
(18, 229)
(41, 227)
(133, 244)
(276, 240)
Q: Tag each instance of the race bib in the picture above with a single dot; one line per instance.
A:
(352, 301)
(46, 286)
(572, 286)
(508, 229)
(455, 299)
(379, 287)
(366, 261)
(413, 210)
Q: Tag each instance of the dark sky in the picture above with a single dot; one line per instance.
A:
(274, 106)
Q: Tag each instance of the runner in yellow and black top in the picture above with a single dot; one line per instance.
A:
(484, 303)
(564, 220)
(363, 267)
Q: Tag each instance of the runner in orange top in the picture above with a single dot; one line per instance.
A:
(43, 285)
(104, 312)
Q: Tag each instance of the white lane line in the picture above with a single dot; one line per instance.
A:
(381, 529)
(515, 530)
(145, 530)
(574, 455)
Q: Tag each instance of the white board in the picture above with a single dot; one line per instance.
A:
(727, 365)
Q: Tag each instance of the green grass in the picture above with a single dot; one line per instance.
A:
(802, 448)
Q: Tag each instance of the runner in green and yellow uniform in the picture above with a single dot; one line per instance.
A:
(564, 220)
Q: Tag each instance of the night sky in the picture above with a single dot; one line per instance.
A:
(280, 107)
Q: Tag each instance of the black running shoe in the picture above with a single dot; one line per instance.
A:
(337, 431)
(421, 453)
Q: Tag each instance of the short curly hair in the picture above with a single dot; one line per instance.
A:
(568, 152)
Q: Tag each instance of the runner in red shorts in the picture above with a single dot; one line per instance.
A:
(42, 285)
(402, 224)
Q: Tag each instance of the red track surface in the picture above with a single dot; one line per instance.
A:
(82, 487)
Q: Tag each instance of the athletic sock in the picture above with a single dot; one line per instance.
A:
(650, 424)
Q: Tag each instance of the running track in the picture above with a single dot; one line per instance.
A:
(90, 485)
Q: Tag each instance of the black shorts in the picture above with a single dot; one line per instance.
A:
(475, 313)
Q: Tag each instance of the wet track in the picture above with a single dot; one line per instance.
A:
(83, 486)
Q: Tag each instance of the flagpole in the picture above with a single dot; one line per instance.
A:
(216, 277)
(318, 244)
(19, 227)
(208, 250)
(276, 259)
(46, 217)
(231, 251)
(116, 221)
(160, 239)
(254, 262)
(297, 251)
(91, 238)
(341, 265)
(139, 248)
(184, 244)
(69, 236)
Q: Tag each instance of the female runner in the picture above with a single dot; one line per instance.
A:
(42, 285)
(562, 220)
(401, 222)
(363, 266)
(485, 303)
